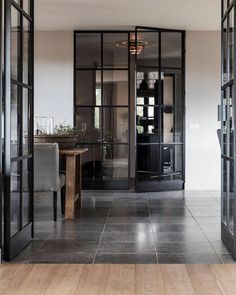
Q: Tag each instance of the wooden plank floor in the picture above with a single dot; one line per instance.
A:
(123, 279)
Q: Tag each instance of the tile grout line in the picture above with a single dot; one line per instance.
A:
(99, 243)
(154, 240)
(205, 236)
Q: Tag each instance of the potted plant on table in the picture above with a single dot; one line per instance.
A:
(65, 135)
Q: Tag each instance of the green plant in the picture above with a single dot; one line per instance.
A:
(66, 130)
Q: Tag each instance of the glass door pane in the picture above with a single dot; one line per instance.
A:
(159, 109)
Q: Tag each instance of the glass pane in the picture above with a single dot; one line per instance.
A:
(115, 88)
(225, 5)
(147, 122)
(172, 125)
(115, 125)
(92, 164)
(15, 197)
(147, 86)
(26, 52)
(15, 121)
(88, 50)
(148, 48)
(172, 165)
(231, 197)
(115, 162)
(225, 53)
(148, 162)
(15, 44)
(89, 121)
(25, 122)
(27, 6)
(88, 87)
(231, 44)
(115, 50)
(26, 193)
(224, 190)
(224, 123)
(231, 124)
(171, 49)
(172, 84)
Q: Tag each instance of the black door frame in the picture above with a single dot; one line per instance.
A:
(14, 244)
(1, 92)
(228, 90)
(143, 186)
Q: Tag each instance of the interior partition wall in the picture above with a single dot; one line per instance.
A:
(228, 116)
(129, 106)
(101, 106)
(17, 119)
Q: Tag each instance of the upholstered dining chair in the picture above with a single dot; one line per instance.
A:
(46, 173)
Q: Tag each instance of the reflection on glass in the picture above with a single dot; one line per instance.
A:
(231, 44)
(27, 6)
(172, 125)
(224, 190)
(88, 87)
(115, 87)
(88, 50)
(26, 51)
(115, 125)
(15, 125)
(15, 44)
(225, 53)
(89, 121)
(171, 49)
(231, 197)
(115, 162)
(92, 164)
(25, 122)
(15, 197)
(115, 50)
(173, 88)
(148, 162)
(169, 90)
(172, 162)
(149, 54)
(26, 193)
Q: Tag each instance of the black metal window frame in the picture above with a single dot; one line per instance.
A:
(14, 243)
(117, 184)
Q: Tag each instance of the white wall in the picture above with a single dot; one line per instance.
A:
(202, 97)
(54, 96)
(54, 75)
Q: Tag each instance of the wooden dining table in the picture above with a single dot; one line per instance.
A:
(73, 179)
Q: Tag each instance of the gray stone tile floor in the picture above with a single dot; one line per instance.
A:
(124, 227)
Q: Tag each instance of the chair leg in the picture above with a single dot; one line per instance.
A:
(63, 196)
(55, 206)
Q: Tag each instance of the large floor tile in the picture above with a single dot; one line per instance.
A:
(137, 236)
(201, 247)
(71, 246)
(188, 259)
(141, 247)
(126, 259)
(58, 257)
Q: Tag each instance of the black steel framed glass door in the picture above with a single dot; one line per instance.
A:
(228, 213)
(18, 126)
(160, 108)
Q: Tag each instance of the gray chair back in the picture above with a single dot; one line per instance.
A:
(46, 167)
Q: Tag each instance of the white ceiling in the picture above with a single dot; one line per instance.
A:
(110, 14)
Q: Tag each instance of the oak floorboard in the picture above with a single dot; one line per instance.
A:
(77, 279)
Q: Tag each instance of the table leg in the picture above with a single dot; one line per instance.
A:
(70, 186)
(79, 180)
